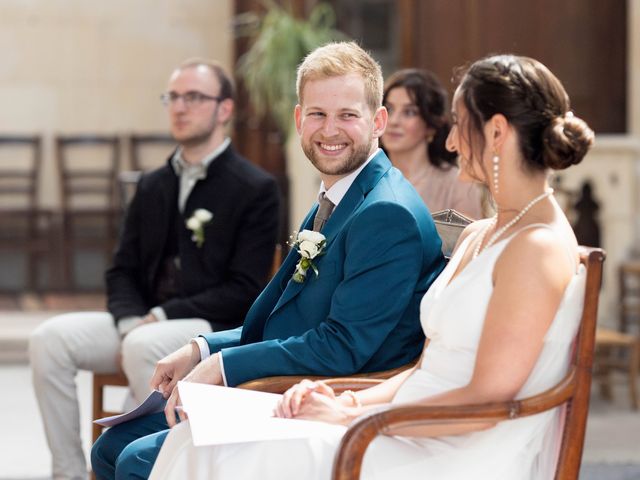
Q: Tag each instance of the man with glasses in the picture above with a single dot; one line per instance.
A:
(195, 251)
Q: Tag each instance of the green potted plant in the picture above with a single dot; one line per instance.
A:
(279, 42)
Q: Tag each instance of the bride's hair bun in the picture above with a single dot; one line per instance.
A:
(567, 140)
(533, 100)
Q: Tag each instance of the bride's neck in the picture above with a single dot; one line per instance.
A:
(517, 196)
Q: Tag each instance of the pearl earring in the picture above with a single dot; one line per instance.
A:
(496, 172)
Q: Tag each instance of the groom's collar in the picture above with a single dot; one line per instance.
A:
(338, 190)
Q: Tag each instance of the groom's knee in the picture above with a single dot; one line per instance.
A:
(103, 457)
(137, 459)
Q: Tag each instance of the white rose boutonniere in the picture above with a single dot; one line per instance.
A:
(196, 223)
(309, 245)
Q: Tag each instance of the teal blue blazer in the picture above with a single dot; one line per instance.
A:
(361, 313)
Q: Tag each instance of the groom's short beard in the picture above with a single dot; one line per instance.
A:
(350, 164)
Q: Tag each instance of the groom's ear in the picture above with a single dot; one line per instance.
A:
(297, 114)
(380, 119)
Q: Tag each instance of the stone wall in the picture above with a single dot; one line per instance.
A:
(78, 66)
(612, 167)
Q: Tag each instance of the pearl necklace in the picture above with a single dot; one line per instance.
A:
(498, 233)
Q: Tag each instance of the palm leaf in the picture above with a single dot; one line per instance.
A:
(279, 42)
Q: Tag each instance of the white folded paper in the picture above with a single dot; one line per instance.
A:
(220, 415)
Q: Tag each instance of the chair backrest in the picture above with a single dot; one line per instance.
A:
(88, 167)
(629, 285)
(573, 392)
(150, 151)
(147, 152)
(127, 185)
(449, 224)
(20, 162)
(577, 405)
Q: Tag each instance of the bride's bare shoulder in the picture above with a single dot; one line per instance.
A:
(550, 252)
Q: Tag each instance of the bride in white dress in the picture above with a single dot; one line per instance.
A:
(499, 320)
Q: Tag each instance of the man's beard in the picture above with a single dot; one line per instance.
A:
(197, 138)
(348, 165)
(202, 135)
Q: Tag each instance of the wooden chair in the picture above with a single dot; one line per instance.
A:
(147, 152)
(281, 384)
(26, 228)
(449, 224)
(617, 351)
(100, 382)
(629, 296)
(150, 151)
(620, 349)
(88, 166)
(573, 391)
(127, 184)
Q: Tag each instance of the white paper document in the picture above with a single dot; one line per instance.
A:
(154, 403)
(220, 415)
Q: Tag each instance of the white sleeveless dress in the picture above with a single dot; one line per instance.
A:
(452, 316)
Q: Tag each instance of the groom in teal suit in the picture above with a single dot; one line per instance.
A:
(346, 298)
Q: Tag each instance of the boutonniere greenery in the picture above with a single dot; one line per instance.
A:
(309, 245)
(196, 223)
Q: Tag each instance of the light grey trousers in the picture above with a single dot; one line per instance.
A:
(70, 342)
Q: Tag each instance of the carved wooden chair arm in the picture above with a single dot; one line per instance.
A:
(362, 432)
(339, 385)
(359, 381)
(279, 384)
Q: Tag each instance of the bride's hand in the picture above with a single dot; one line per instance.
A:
(292, 399)
(325, 409)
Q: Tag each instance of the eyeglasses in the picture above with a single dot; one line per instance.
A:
(190, 99)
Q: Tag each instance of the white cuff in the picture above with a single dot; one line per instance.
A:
(224, 377)
(159, 313)
(203, 346)
(205, 353)
(126, 324)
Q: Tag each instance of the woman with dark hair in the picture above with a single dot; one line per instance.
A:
(415, 142)
(500, 319)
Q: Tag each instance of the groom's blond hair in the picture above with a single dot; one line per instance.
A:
(342, 58)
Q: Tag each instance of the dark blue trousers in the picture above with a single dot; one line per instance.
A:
(129, 450)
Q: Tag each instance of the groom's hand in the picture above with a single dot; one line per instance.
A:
(208, 371)
(174, 367)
